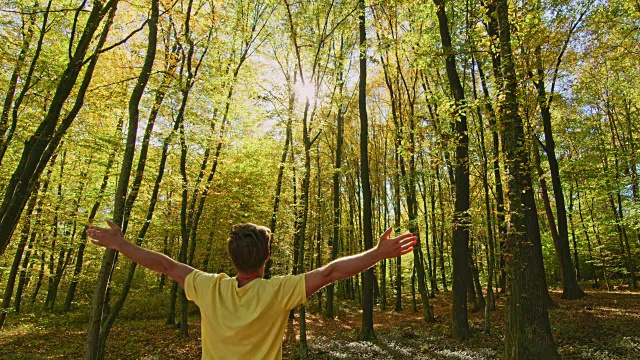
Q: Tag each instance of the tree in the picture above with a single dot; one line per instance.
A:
(96, 334)
(461, 218)
(45, 140)
(366, 332)
(337, 213)
(13, 272)
(528, 333)
(571, 289)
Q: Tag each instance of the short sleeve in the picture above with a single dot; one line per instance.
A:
(290, 290)
(198, 285)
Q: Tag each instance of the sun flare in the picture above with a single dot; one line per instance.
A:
(306, 91)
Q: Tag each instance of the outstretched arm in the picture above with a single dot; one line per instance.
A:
(113, 238)
(351, 265)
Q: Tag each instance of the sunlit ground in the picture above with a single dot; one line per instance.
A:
(600, 326)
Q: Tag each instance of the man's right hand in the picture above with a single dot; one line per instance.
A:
(348, 266)
(394, 247)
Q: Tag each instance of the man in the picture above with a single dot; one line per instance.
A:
(245, 317)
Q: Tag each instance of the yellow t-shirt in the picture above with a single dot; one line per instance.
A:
(247, 322)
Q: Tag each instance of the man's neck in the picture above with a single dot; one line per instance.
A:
(245, 278)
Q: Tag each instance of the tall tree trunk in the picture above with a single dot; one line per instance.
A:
(383, 224)
(492, 30)
(366, 331)
(595, 231)
(397, 222)
(434, 233)
(616, 208)
(397, 171)
(490, 303)
(281, 167)
(301, 233)
(475, 274)
(570, 288)
(160, 93)
(318, 220)
(171, 315)
(472, 300)
(596, 284)
(17, 259)
(430, 269)
(34, 295)
(414, 304)
(184, 226)
(165, 250)
(24, 271)
(441, 247)
(547, 209)
(573, 234)
(434, 237)
(461, 218)
(528, 332)
(337, 173)
(96, 334)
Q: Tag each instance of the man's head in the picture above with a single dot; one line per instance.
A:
(248, 246)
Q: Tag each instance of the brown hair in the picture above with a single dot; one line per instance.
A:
(248, 246)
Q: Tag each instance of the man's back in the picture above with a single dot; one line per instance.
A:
(247, 322)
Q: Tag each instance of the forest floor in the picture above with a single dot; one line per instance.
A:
(603, 325)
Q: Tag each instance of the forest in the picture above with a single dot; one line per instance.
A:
(503, 133)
